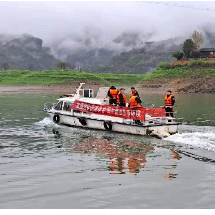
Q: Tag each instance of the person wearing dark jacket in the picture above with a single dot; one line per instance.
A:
(169, 103)
(121, 98)
(112, 93)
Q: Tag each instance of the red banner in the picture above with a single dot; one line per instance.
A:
(155, 112)
(109, 110)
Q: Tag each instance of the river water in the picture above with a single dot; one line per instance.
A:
(80, 168)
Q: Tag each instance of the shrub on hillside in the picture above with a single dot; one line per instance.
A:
(178, 55)
(163, 65)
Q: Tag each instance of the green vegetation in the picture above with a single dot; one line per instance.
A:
(177, 55)
(193, 63)
(163, 65)
(24, 77)
(188, 47)
(177, 73)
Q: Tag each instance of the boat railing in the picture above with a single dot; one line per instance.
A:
(80, 92)
(159, 114)
(175, 109)
(146, 104)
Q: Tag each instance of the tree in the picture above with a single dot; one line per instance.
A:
(62, 65)
(5, 66)
(188, 48)
(178, 55)
(197, 40)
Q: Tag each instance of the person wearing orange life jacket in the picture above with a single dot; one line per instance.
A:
(133, 91)
(112, 93)
(169, 103)
(135, 102)
(121, 98)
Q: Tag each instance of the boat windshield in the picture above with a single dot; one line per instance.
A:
(59, 106)
(67, 106)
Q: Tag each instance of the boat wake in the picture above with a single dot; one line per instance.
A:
(198, 137)
(45, 122)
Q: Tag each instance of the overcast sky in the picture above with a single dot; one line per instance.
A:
(50, 20)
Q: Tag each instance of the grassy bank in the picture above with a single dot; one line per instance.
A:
(161, 76)
(178, 73)
(21, 77)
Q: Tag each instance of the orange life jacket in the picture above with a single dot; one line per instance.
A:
(117, 166)
(133, 103)
(132, 94)
(124, 98)
(114, 93)
(168, 100)
(134, 165)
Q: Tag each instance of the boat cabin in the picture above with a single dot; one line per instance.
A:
(85, 95)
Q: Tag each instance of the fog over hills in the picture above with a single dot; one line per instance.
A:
(111, 36)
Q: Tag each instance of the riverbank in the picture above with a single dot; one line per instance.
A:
(179, 80)
(66, 88)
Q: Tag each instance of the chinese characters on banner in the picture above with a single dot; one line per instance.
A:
(108, 110)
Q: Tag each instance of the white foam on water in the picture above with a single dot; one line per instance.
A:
(203, 140)
(45, 121)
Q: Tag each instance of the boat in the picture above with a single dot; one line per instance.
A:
(84, 110)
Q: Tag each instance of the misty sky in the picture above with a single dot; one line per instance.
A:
(51, 20)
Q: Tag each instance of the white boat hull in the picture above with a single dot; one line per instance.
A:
(158, 130)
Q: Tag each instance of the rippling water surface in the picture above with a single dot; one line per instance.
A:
(44, 165)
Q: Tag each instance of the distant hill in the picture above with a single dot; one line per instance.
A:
(142, 60)
(92, 50)
(26, 52)
(125, 54)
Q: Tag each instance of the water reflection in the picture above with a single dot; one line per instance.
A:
(174, 162)
(170, 175)
(120, 154)
(123, 157)
(175, 157)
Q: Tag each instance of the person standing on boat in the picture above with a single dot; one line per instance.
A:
(112, 93)
(133, 91)
(169, 103)
(121, 98)
(135, 102)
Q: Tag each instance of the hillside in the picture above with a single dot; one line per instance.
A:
(190, 78)
(141, 60)
(26, 52)
(127, 53)
(89, 50)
